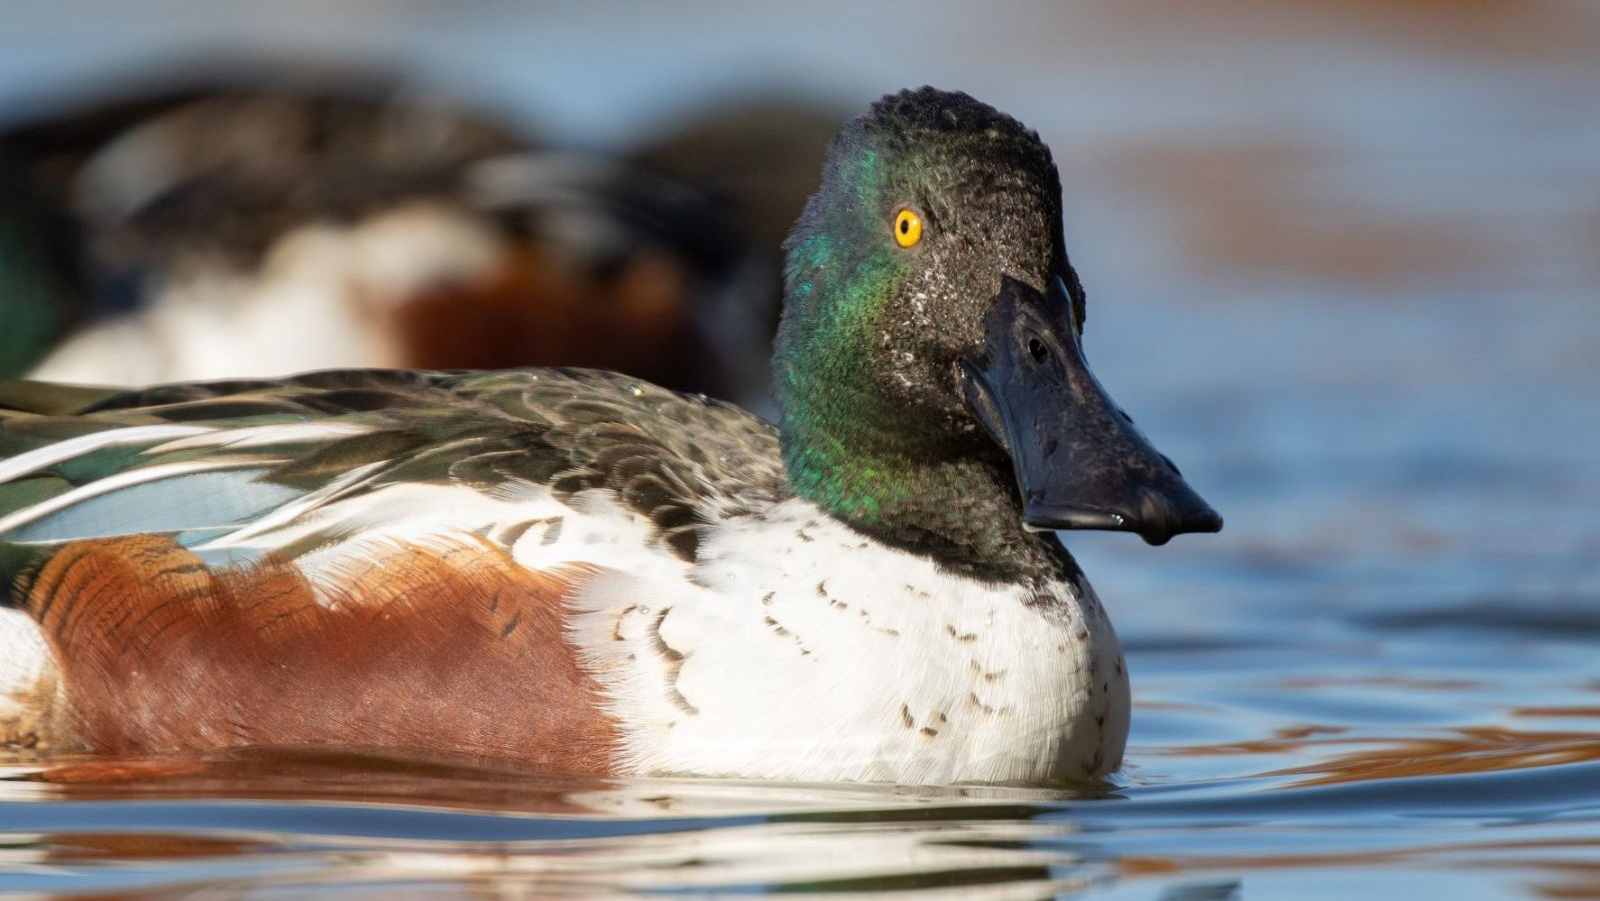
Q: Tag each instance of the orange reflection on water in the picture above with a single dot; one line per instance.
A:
(1568, 876)
(1587, 712)
(1478, 749)
(119, 846)
(328, 775)
(1472, 749)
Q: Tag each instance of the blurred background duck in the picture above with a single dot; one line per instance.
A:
(41, 296)
(263, 220)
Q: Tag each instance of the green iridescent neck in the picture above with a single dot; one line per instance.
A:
(882, 469)
(831, 417)
(875, 430)
(847, 447)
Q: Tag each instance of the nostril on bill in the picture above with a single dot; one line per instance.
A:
(1168, 461)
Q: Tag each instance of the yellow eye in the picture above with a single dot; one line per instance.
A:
(907, 228)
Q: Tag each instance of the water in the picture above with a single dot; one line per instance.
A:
(1342, 267)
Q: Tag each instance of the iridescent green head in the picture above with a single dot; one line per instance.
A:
(874, 321)
(928, 364)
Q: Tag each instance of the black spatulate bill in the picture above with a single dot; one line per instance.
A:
(1079, 460)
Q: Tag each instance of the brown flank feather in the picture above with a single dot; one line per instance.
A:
(455, 650)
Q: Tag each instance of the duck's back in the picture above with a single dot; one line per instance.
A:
(362, 557)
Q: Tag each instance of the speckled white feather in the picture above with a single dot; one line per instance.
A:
(796, 649)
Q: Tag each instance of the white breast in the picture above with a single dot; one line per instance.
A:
(796, 649)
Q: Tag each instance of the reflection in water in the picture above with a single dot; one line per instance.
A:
(271, 823)
(1472, 750)
(1478, 750)
(293, 819)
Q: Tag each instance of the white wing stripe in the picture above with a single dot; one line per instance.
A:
(48, 456)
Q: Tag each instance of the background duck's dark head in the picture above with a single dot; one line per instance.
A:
(929, 203)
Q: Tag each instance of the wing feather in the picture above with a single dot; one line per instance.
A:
(295, 462)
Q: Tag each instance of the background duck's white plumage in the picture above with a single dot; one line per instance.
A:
(323, 295)
(240, 220)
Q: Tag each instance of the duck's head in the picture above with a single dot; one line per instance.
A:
(931, 342)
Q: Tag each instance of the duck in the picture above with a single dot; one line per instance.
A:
(579, 571)
(256, 219)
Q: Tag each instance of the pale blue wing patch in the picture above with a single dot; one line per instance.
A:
(150, 500)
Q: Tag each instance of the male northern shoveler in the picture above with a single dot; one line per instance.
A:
(584, 572)
(259, 221)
